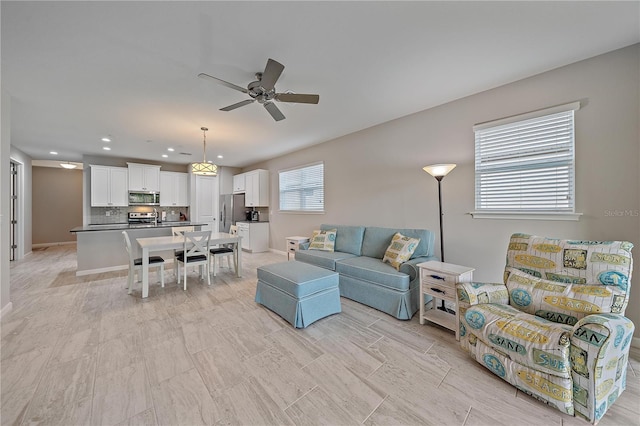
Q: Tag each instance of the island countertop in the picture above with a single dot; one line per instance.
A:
(127, 226)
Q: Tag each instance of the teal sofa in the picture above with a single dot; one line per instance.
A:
(363, 277)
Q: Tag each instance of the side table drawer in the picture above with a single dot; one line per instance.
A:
(441, 291)
(440, 277)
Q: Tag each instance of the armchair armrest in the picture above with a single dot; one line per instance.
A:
(476, 293)
(598, 354)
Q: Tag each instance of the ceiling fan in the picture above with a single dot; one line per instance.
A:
(263, 90)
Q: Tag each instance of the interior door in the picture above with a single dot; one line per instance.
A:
(206, 202)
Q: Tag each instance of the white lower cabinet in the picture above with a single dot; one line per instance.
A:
(255, 236)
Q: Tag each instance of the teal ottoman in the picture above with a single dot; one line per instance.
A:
(298, 292)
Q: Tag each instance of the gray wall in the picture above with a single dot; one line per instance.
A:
(5, 147)
(57, 204)
(375, 177)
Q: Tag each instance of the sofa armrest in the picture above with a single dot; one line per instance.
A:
(475, 293)
(598, 354)
(409, 267)
(304, 246)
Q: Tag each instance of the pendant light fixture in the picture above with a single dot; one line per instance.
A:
(204, 168)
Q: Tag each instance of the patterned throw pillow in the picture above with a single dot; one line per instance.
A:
(400, 250)
(323, 240)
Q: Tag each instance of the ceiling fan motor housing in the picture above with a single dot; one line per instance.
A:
(257, 92)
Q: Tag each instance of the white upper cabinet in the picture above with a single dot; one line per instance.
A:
(256, 188)
(144, 177)
(109, 186)
(174, 190)
(239, 183)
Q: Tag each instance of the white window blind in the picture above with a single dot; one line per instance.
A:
(302, 188)
(526, 163)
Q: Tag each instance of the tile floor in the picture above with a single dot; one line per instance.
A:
(80, 351)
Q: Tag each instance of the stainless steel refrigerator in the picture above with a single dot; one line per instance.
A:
(232, 209)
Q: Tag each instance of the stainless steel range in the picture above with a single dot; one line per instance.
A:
(143, 219)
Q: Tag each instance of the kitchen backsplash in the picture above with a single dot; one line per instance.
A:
(106, 215)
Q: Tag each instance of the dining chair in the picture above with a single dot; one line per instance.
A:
(136, 264)
(225, 250)
(178, 231)
(195, 251)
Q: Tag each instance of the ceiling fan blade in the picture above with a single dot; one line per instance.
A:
(274, 111)
(298, 98)
(237, 105)
(271, 74)
(224, 83)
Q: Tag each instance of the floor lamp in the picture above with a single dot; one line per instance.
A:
(439, 171)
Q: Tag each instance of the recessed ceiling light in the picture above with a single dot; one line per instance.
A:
(209, 161)
(53, 153)
(170, 149)
(106, 148)
(106, 139)
(165, 156)
(220, 156)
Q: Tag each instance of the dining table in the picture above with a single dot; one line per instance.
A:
(151, 244)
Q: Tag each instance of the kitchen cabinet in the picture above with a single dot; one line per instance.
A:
(255, 236)
(144, 177)
(256, 188)
(239, 183)
(109, 186)
(174, 189)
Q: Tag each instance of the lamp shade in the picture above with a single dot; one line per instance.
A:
(439, 170)
(205, 169)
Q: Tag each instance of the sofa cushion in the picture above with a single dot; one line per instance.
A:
(324, 240)
(535, 342)
(400, 250)
(376, 240)
(560, 302)
(348, 238)
(324, 259)
(374, 271)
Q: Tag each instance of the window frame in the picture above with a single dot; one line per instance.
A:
(280, 191)
(523, 213)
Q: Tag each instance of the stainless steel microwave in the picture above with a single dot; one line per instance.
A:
(144, 198)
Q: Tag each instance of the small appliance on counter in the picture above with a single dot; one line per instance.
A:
(255, 215)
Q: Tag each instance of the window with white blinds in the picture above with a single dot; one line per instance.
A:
(526, 163)
(302, 189)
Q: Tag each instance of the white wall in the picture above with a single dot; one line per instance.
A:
(375, 176)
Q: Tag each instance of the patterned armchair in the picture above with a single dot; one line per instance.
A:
(556, 328)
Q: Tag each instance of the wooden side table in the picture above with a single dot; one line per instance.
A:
(439, 279)
(293, 243)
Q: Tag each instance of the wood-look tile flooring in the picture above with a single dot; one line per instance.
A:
(80, 351)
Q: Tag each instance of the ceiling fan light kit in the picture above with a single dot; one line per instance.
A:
(264, 92)
(204, 168)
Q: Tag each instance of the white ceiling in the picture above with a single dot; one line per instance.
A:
(78, 71)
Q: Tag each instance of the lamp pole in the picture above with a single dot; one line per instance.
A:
(439, 178)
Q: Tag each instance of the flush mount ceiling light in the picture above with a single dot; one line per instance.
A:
(204, 168)
(68, 165)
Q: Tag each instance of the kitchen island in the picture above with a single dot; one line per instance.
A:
(100, 248)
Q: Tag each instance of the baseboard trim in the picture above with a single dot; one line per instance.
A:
(112, 269)
(6, 309)
(61, 243)
(101, 270)
(635, 342)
